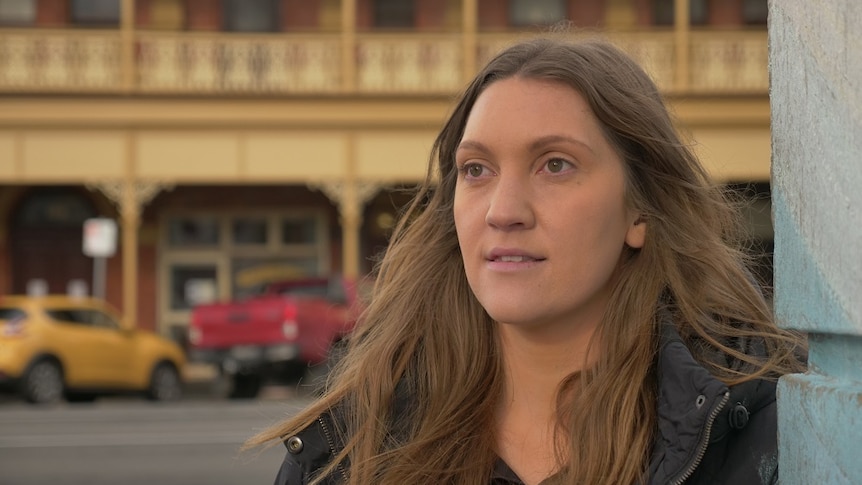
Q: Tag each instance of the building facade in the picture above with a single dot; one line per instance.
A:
(236, 141)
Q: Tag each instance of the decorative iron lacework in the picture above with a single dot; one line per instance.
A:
(60, 61)
(75, 61)
(220, 64)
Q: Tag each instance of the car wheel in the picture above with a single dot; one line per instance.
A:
(165, 383)
(43, 383)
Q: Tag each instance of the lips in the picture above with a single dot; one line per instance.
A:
(500, 255)
(513, 259)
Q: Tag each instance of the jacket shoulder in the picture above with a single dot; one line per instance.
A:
(744, 447)
(307, 454)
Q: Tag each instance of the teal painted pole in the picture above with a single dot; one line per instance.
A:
(815, 50)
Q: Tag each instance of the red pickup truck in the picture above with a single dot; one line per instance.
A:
(286, 331)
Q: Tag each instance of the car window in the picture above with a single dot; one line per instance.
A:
(12, 313)
(102, 320)
(65, 315)
(83, 316)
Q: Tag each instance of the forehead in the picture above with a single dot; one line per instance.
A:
(524, 107)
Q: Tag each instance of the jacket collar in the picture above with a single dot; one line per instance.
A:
(688, 398)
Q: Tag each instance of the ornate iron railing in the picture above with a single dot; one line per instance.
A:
(35, 60)
(409, 64)
(218, 63)
(730, 62)
(70, 61)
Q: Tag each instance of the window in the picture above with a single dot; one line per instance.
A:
(12, 313)
(524, 13)
(96, 12)
(394, 13)
(193, 231)
(192, 285)
(66, 315)
(754, 11)
(251, 275)
(251, 15)
(299, 231)
(84, 316)
(54, 207)
(102, 320)
(206, 257)
(663, 12)
(17, 12)
(249, 231)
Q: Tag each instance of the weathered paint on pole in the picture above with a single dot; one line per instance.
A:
(816, 99)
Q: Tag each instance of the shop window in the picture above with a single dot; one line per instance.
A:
(54, 208)
(299, 231)
(251, 231)
(193, 231)
(663, 12)
(252, 275)
(96, 12)
(754, 11)
(251, 15)
(394, 13)
(17, 12)
(192, 285)
(524, 13)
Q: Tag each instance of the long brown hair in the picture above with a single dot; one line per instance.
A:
(426, 334)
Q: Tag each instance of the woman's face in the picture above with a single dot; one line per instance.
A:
(540, 206)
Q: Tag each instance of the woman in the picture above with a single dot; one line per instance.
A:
(564, 305)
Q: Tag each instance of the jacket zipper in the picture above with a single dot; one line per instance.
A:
(331, 443)
(704, 441)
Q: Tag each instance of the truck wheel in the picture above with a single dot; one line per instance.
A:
(43, 383)
(165, 383)
(246, 386)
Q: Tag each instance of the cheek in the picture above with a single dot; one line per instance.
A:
(461, 215)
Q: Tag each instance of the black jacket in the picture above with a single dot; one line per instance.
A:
(707, 433)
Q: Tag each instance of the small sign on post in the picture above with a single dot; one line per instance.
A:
(100, 242)
(100, 237)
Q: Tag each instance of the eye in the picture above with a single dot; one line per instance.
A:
(473, 170)
(557, 165)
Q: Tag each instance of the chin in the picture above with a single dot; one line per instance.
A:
(512, 316)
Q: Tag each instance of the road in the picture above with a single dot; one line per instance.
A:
(134, 442)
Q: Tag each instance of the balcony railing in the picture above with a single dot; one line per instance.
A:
(182, 63)
(729, 63)
(59, 61)
(67, 61)
(409, 64)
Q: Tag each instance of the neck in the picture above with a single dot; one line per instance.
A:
(536, 363)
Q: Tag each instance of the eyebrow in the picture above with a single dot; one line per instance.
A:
(534, 146)
(551, 139)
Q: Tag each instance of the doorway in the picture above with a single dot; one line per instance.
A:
(46, 237)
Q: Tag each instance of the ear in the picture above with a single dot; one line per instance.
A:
(636, 234)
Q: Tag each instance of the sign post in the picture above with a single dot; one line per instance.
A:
(100, 242)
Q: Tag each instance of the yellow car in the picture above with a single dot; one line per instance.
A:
(58, 346)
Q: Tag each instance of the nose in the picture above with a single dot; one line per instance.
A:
(511, 204)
